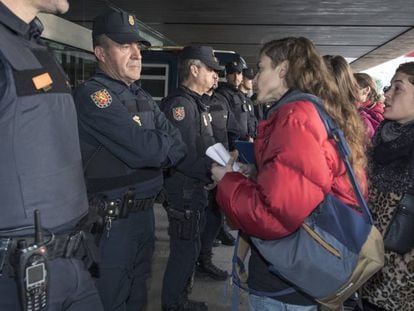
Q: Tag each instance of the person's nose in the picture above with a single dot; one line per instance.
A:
(388, 93)
(136, 51)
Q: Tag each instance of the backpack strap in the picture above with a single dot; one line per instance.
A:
(337, 135)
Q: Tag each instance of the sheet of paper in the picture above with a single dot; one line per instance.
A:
(219, 154)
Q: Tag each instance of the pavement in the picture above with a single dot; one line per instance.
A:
(216, 293)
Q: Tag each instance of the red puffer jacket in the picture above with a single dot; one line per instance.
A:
(297, 165)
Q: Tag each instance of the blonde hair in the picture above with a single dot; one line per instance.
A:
(308, 73)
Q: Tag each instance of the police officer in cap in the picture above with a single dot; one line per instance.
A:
(237, 100)
(243, 112)
(246, 87)
(224, 125)
(125, 142)
(185, 188)
(40, 165)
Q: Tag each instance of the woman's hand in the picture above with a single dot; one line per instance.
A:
(248, 170)
(210, 186)
(218, 171)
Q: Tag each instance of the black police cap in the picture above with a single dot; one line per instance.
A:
(202, 53)
(248, 73)
(233, 67)
(118, 25)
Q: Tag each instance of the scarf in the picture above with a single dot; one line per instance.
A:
(389, 166)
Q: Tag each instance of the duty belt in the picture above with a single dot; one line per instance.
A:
(137, 206)
(182, 215)
(63, 246)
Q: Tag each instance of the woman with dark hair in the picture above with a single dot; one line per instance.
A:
(371, 108)
(297, 165)
(391, 175)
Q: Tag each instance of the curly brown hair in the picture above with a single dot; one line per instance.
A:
(343, 75)
(308, 73)
(364, 80)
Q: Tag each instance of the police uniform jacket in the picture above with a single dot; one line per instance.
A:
(224, 123)
(188, 112)
(40, 160)
(252, 121)
(240, 107)
(125, 138)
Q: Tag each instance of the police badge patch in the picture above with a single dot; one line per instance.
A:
(179, 113)
(102, 98)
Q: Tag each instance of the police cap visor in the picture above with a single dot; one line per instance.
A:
(234, 67)
(202, 53)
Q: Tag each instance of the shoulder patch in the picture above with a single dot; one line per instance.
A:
(102, 98)
(179, 113)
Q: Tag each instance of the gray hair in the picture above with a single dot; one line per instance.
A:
(184, 68)
(100, 40)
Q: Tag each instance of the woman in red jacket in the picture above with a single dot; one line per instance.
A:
(296, 162)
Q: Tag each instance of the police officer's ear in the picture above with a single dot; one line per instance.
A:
(99, 53)
(194, 69)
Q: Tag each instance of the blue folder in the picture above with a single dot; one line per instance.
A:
(246, 151)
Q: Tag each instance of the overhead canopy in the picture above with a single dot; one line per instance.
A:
(369, 31)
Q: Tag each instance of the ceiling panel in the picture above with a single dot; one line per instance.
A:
(350, 28)
(234, 34)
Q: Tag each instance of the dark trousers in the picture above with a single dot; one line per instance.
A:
(182, 195)
(125, 266)
(214, 220)
(71, 288)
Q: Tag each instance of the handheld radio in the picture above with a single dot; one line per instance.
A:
(31, 270)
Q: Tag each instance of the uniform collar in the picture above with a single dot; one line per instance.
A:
(190, 92)
(229, 86)
(11, 21)
(200, 100)
(117, 85)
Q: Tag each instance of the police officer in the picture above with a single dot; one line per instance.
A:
(125, 142)
(243, 112)
(40, 169)
(246, 87)
(224, 125)
(237, 100)
(185, 188)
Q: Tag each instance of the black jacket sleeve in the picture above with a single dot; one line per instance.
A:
(178, 148)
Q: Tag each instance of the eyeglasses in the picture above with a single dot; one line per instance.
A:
(386, 88)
